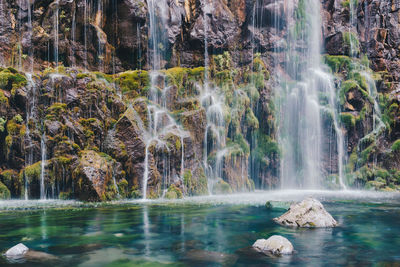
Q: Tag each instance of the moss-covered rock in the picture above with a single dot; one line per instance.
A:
(4, 192)
(173, 192)
(134, 83)
(222, 187)
(93, 177)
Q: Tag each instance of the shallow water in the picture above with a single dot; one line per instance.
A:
(203, 231)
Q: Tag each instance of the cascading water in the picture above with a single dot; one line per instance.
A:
(301, 129)
(213, 101)
(160, 122)
(214, 137)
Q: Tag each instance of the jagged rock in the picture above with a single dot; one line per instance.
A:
(276, 245)
(18, 250)
(309, 213)
(92, 176)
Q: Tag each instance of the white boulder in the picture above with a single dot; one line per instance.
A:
(17, 251)
(309, 213)
(276, 245)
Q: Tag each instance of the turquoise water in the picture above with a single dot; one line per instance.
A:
(214, 231)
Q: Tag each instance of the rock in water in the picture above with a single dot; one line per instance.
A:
(276, 245)
(309, 213)
(17, 251)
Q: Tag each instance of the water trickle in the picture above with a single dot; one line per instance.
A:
(115, 183)
(43, 167)
(56, 30)
(31, 115)
(85, 26)
(30, 33)
(2, 14)
(73, 37)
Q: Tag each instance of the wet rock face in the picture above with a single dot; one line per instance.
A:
(309, 213)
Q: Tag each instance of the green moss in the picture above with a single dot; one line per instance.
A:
(176, 76)
(348, 120)
(250, 119)
(352, 85)
(222, 62)
(346, 3)
(66, 195)
(351, 40)
(4, 192)
(173, 192)
(222, 187)
(195, 183)
(366, 154)
(2, 123)
(3, 99)
(196, 74)
(123, 187)
(109, 78)
(135, 192)
(33, 171)
(396, 146)
(11, 79)
(134, 83)
(82, 75)
(351, 165)
(338, 63)
(55, 111)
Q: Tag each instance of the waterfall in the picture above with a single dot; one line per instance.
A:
(301, 129)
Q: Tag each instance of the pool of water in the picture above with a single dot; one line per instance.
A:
(206, 231)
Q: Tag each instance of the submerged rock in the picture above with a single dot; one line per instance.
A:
(38, 256)
(17, 251)
(20, 253)
(309, 213)
(210, 257)
(276, 245)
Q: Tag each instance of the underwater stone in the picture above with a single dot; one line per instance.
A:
(309, 213)
(17, 251)
(276, 244)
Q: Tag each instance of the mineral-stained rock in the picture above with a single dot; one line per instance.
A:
(92, 176)
(309, 213)
(276, 245)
